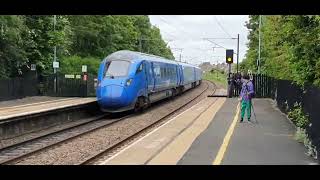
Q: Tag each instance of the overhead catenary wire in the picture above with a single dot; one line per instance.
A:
(221, 26)
(166, 22)
(174, 27)
(185, 33)
(208, 39)
(173, 36)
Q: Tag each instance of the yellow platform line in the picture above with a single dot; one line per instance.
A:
(172, 153)
(226, 139)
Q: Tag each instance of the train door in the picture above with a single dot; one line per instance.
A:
(157, 76)
(141, 79)
(181, 74)
(150, 76)
(195, 74)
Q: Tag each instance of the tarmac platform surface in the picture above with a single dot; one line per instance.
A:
(209, 133)
(41, 106)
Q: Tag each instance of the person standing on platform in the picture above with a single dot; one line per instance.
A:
(246, 95)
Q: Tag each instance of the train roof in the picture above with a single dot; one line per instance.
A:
(132, 55)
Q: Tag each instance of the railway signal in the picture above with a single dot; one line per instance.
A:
(229, 56)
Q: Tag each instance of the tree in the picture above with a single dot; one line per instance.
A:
(42, 38)
(31, 39)
(12, 55)
(290, 48)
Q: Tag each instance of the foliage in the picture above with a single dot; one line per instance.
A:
(301, 121)
(30, 39)
(12, 55)
(298, 117)
(216, 76)
(300, 135)
(289, 47)
(101, 35)
(42, 37)
(73, 65)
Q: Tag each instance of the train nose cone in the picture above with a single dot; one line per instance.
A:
(114, 96)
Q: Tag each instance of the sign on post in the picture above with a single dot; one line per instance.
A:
(84, 68)
(33, 67)
(55, 64)
(69, 76)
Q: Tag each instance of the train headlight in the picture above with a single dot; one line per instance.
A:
(129, 81)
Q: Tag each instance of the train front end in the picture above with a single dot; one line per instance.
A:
(113, 90)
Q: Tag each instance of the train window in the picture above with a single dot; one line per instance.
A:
(117, 68)
(140, 68)
(150, 71)
(161, 72)
(156, 70)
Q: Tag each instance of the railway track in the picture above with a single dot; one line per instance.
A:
(131, 138)
(14, 153)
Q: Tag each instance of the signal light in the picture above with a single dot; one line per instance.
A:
(229, 56)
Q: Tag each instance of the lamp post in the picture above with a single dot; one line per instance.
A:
(55, 56)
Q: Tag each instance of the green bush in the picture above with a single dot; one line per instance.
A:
(73, 64)
(301, 121)
(298, 117)
(300, 135)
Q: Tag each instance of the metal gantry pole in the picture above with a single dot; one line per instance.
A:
(217, 68)
(140, 44)
(229, 81)
(259, 51)
(238, 54)
(55, 55)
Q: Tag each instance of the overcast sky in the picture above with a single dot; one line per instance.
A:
(188, 31)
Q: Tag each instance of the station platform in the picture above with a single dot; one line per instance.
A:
(16, 108)
(209, 133)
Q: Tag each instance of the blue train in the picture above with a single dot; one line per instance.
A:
(130, 80)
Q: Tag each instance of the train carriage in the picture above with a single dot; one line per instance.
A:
(132, 80)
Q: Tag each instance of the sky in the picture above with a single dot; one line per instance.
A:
(188, 32)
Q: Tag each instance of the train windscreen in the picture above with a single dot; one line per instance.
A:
(117, 69)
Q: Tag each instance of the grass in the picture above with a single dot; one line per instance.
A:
(300, 135)
(216, 76)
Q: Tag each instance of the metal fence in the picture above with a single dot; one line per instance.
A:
(287, 94)
(68, 85)
(264, 86)
(309, 97)
(33, 85)
(13, 88)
